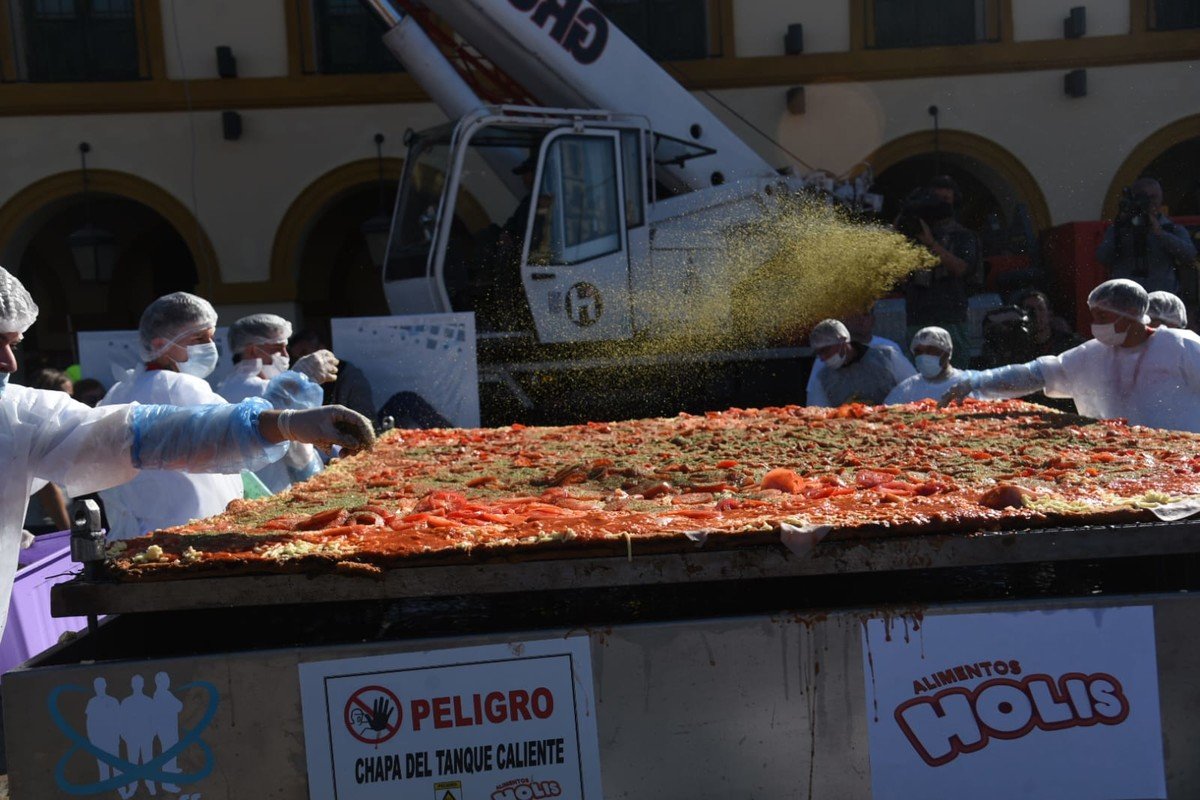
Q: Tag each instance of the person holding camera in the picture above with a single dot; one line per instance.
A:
(938, 296)
(1144, 245)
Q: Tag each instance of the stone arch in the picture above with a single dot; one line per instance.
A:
(321, 198)
(20, 215)
(1145, 153)
(292, 233)
(971, 147)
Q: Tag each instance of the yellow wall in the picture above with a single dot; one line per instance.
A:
(297, 129)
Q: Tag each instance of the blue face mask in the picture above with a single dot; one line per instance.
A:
(3, 381)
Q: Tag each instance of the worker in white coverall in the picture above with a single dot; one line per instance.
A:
(932, 349)
(862, 330)
(262, 368)
(1167, 309)
(1149, 376)
(854, 372)
(47, 436)
(177, 349)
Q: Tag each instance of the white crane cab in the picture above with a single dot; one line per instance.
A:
(550, 223)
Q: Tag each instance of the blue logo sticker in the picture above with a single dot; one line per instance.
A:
(138, 721)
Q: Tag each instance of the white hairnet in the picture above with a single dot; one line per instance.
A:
(828, 332)
(258, 329)
(17, 309)
(173, 316)
(934, 336)
(1123, 297)
(1167, 308)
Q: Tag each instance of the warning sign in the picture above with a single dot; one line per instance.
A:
(500, 722)
(373, 715)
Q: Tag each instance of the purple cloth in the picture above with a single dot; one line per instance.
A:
(30, 628)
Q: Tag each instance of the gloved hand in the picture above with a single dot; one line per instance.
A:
(320, 366)
(328, 426)
(956, 393)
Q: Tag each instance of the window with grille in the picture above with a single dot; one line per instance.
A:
(80, 40)
(931, 23)
(669, 30)
(349, 39)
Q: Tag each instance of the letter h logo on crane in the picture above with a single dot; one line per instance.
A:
(584, 304)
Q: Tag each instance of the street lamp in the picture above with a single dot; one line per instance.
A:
(375, 230)
(93, 249)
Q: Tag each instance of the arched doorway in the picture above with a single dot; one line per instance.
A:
(1178, 170)
(1172, 155)
(149, 257)
(321, 247)
(336, 274)
(1001, 200)
(992, 179)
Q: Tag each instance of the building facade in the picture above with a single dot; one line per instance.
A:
(232, 144)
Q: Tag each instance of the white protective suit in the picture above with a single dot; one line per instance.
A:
(918, 387)
(901, 367)
(1156, 384)
(291, 390)
(159, 499)
(47, 436)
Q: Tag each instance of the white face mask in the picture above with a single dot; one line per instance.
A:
(1107, 334)
(835, 361)
(279, 364)
(3, 381)
(202, 360)
(929, 366)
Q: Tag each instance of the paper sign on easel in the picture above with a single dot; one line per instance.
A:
(429, 355)
(107, 355)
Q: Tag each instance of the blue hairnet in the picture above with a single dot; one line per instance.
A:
(828, 332)
(1123, 297)
(216, 438)
(1168, 309)
(172, 317)
(258, 329)
(17, 309)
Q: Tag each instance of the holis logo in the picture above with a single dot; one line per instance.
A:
(958, 720)
(526, 789)
(580, 29)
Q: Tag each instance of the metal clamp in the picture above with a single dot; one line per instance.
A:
(87, 535)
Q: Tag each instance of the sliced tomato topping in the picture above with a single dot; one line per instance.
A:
(783, 479)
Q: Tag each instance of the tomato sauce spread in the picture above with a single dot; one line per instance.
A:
(651, 485)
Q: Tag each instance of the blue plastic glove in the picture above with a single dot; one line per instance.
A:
(215, 438)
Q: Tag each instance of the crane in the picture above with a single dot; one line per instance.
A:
(578, 193)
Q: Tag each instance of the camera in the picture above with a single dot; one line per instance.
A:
(921, 205)
(1007, 336)
(1135, 210)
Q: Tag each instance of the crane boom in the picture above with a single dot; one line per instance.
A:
(567, 54)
